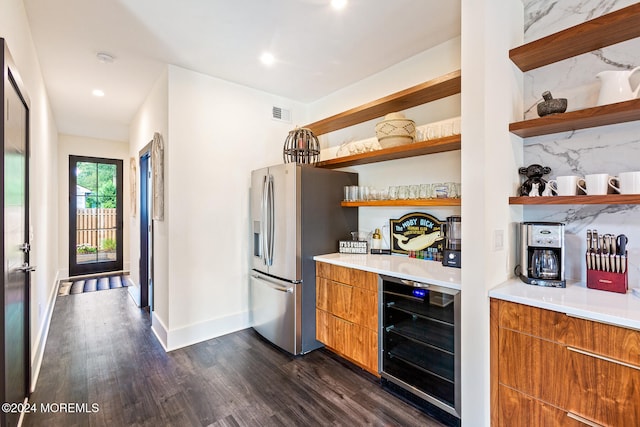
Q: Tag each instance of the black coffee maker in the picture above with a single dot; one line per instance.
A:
(453, 246)
(542, 254)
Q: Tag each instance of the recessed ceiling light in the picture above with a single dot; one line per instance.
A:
(338, 4)
(97, 92)
(267, 58)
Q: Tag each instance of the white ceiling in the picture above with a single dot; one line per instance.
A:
(318, 50)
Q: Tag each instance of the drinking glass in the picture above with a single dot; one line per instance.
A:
(353, 193)
(452, 189)
(403, 192)
(393, 193)
(414, 190)
(425, 191)
(447, 129)
(364, 193)
(440, 190)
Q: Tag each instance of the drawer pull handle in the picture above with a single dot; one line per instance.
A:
(607, 359)
(582, 420)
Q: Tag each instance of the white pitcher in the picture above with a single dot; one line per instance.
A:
(616, 86)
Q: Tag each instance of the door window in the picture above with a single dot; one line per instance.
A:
(95, 215)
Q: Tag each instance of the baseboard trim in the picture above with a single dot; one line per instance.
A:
(43, 333)
(159, 330)
(198, 332)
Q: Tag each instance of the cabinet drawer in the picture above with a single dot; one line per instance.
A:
(323, 270)
(534, 366)
(520, 410)
(607, 340)
(358, 344)
(322, 293)
(355, 305)
(603, 391)
(535, 321)
(350, 276)
(323, 332)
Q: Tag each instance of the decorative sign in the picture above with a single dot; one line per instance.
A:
(353, 247)
(417, 231)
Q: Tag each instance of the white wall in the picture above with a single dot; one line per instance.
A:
(152, 117)
(215, 133)
(14, 28)
(491, 94)
(70, 145)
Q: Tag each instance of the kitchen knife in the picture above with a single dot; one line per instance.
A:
(604, 253)
(589, 250)
(615, 267)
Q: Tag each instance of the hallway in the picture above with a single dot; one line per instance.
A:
(103, 360)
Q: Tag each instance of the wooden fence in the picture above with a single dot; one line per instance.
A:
(94, 226)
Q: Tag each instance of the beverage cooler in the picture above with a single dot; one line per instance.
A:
(420, 345)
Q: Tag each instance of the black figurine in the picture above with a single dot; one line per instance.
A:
(534, 185)
(551, 105)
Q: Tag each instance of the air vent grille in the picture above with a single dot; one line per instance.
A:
(281, 114)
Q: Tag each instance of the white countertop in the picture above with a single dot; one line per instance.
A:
(575, 300)
(398, 266)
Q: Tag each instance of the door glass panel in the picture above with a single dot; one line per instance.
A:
(97, 215)
(96, 195)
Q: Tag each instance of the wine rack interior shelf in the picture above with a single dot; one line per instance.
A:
(606, 30)
(432, 90)
(440, 145)
(609, 199)
(408, 202)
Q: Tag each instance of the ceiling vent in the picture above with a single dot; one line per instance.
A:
(281, 114)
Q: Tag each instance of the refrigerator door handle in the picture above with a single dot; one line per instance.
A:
(273, 284)
(263, 222)
(270, 220)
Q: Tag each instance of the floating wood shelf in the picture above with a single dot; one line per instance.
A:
(440, 145)
(432, 90)
(603, 115)
(609, 199)
(606, 30)
(407, 202)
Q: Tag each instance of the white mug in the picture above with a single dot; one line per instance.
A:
(594, 184)
(566, 185)
(628, 182)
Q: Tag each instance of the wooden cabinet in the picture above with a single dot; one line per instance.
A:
(548, 368)
(347, 313)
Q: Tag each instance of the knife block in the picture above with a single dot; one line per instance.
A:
(608, 281)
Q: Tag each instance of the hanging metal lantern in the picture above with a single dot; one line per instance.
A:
(301, 146)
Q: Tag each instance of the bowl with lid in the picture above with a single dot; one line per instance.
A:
(395, 130)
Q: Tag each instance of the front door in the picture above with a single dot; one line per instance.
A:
(14, 340)
(95, 215)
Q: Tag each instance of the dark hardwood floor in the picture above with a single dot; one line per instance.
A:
(104, 363)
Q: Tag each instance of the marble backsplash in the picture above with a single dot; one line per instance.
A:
(608, 149)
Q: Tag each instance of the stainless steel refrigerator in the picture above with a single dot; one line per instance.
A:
(295, 215)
